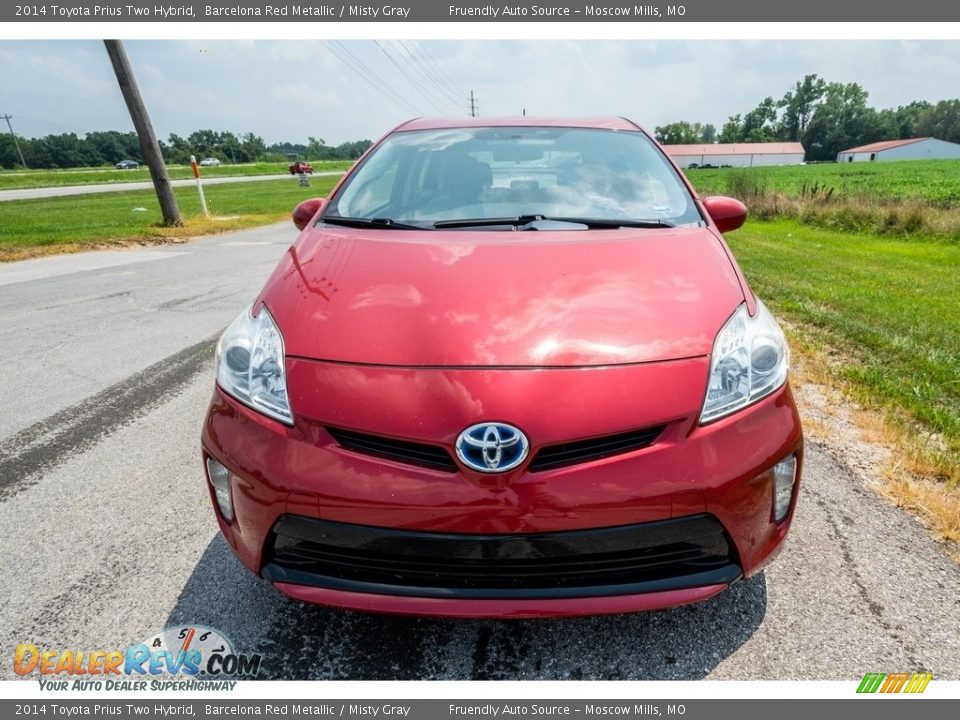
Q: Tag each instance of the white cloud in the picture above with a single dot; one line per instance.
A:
(293, 89)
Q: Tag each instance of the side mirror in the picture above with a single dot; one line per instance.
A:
(727, 213)
(304, 212)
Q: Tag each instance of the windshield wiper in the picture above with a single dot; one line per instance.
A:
(380, 223)
(486, 222)
(531, 220)
(616, 223)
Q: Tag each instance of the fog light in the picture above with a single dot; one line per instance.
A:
(220, 479)
(784, 477)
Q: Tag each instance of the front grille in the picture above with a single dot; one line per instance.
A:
(649, 557)
(581, 451)
(547, 458)
(412, 453)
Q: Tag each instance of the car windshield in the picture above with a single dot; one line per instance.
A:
(420, 178)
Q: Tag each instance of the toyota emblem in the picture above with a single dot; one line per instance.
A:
(492, 447)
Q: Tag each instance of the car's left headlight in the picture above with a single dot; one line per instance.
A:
(250, 364)
(750, 361)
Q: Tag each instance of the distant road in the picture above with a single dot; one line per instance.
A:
(62, 191)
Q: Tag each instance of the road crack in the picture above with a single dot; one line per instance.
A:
(26, 456)
(876, 608)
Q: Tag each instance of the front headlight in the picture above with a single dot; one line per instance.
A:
(750, 360)
(250, 364)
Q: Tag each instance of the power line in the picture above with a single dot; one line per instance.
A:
(15, 141)
(413, 81)
(429, 73)
(53, 124)
(368, 76)
(439, 68)
(426, 72)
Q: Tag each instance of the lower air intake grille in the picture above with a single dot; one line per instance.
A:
(581, 451)
(412, 453)
(649, 557)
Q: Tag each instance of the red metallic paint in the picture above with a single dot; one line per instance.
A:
(721, 468)
(504, 609)
(305, 211)
(449, 298)
(727, 213)
(565, 335)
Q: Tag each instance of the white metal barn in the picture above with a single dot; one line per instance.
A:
(737, 154)
(914, 149)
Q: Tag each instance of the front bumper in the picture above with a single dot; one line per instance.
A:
(720, 472)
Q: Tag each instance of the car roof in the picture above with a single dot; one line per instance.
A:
(599, 123)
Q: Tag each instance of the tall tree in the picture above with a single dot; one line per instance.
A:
(732, 130)
(941, 121)
(253, 147)
(759, 125)
(842, 120)
(678, 133)
(798, 106)
(906, 118)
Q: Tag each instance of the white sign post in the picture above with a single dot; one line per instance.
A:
(196, 174)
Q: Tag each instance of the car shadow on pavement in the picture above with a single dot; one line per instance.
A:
(300, 641)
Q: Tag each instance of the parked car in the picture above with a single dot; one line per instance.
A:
(127, 165)
(509, 368)
(209, 162)
(300, 167)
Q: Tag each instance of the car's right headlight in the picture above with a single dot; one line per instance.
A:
(750, 360)
(250, 364)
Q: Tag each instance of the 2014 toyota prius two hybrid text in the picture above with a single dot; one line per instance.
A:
(508, 369)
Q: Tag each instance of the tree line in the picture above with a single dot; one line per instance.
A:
(826, 117)
(69, 150)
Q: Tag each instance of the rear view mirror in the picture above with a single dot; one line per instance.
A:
(517, 152)
(727, 213)
(304, 212)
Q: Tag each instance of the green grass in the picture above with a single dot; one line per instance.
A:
(31, 225)
(934, 182)
(890, 306)
(13, 179)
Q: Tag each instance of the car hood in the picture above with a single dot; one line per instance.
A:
(519, 299)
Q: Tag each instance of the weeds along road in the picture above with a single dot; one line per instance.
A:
(63, 191)
(109, 537)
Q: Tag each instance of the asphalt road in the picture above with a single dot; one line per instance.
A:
(108, 535)
(92, 189)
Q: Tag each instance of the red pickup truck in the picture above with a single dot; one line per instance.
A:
(299, 167)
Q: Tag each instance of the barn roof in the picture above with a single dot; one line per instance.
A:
(773, 148)
(884, 145)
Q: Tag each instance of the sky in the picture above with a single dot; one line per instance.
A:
(291, 90)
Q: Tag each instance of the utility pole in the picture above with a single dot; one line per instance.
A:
(148, 139)
(473, 105)
(15, 143)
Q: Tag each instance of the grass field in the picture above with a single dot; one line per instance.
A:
(888, 306)
(934, 182)
(31, 227)
(14, 179)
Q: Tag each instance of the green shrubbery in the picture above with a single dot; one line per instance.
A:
(897, 199)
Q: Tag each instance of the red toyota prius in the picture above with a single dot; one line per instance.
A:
(509, 368)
